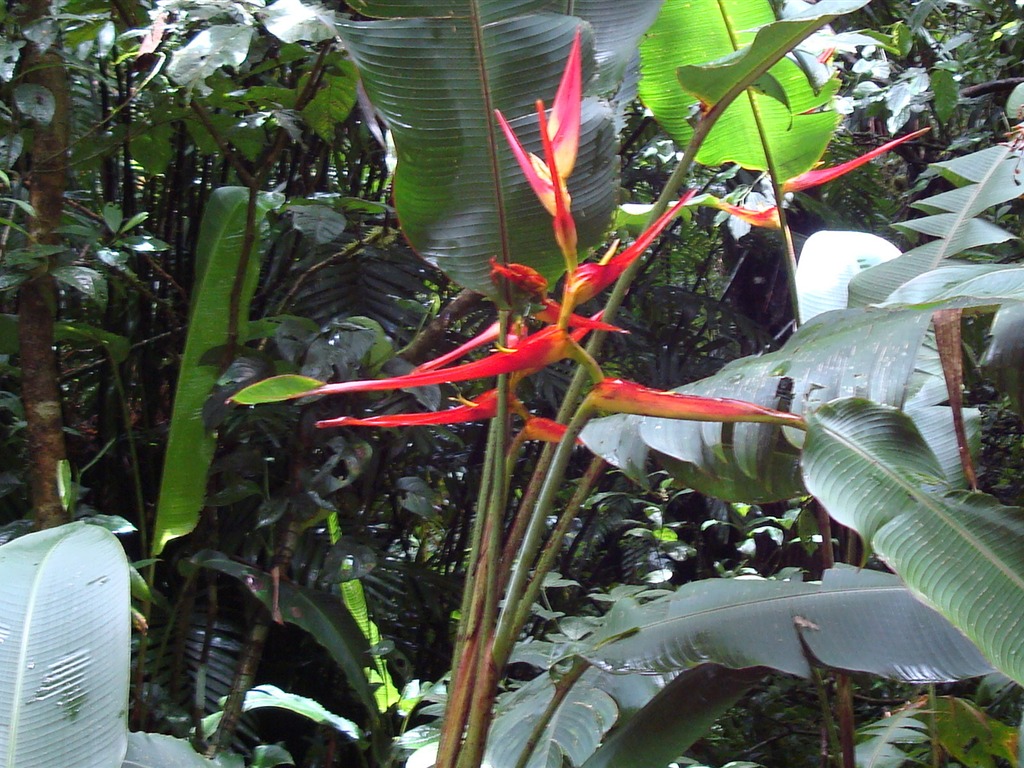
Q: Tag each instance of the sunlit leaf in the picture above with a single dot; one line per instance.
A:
(64, 649)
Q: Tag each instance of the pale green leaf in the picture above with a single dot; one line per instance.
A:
(64, 649)
(873, 472)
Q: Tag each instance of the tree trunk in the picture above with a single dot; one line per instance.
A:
(47, 179)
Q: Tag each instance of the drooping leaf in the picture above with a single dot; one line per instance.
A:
(437, 71)
(263, 696)
(854, 620)
(321, 614)
(683, 712)
(222, 269)
(693, 39)
(64, 649)
(984, 179)
(871, 469)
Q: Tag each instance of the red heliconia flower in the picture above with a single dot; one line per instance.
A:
(533, 353)
(551, 311)
(617, 396)
(766, 217)
(560, 136)
(523, 279)
(769, 217)
(563, 128)
(590, 279)
(483, 407)
(822, 175)
(544, 430)
(548, 314)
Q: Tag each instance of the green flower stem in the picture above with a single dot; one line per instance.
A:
(480, 594)
(554, 543)
(789, 256)
(508, 626)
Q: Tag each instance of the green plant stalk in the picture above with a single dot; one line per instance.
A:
(546, 561)
(462, 730)
(789, 252)
(508, 626)
(933, 727)
(485, 605)
(828, 723)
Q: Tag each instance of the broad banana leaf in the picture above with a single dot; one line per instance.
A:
(862, 621)
(874, 352)
(65, 637)
(437, 72)
(699, 46)
(222, 269)
(963, 553)
(984, 179)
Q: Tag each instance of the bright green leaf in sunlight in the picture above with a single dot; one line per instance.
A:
(702, 46)
(275, 389)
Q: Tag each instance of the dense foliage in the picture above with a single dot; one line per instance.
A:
(203, 199)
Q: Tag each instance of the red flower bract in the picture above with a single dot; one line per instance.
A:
(618, 396)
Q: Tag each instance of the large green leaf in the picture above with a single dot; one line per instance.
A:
(437, 71)
(64, 649)
(707, 43)
(854, 620)
(221, 269)
(680, 714)
(984, 179)
(962, 552)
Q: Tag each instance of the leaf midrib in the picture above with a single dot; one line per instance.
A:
(930, 503)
